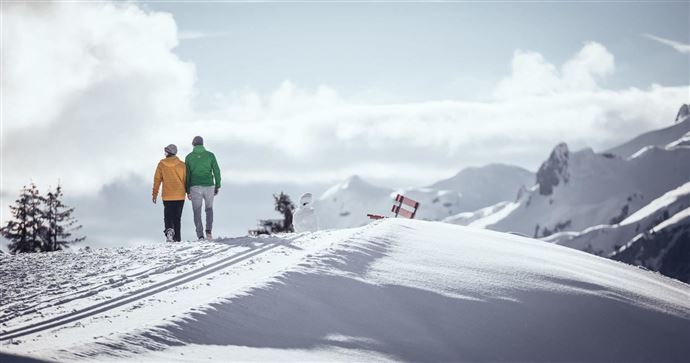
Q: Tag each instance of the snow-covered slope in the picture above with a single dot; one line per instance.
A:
(467, 218)
(583, 189)
(601, 202)
(392, 290)
(486, 185)
(666, 248)
(347, 203)
(658, 138)
(605, 239)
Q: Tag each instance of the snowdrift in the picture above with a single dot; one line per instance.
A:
(392, 290)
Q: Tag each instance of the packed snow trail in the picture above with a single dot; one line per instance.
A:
(393, 290)
(135, 295)
(91, 290)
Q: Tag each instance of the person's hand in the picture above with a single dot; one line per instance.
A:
(154, 200)
(217, 190)
(189, 196)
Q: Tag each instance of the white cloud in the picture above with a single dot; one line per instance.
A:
(94, 91)
(532, 75)
(196, 34)
(421, 142)
(678, 46)
(87, 87)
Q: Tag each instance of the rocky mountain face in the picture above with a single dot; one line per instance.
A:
(664, 248)
(554, 170)
(683, 113)
(612, 204)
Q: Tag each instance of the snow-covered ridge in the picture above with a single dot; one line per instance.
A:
(680, 195)
(483, 186)
(605, 239)
(580, 199)
(659, 138)
(664, 249)
(600, 190)
(683, 113)
(392, 290)
(346, 204)
(554, 170)
(599, 202)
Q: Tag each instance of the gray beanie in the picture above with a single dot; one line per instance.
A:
(198, 140)
(171, 149)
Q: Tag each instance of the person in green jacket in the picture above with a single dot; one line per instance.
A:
(202, 184)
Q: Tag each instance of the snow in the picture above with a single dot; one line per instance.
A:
(347, 204)
(600, 190)
(395, 289)
(658, 138)
(466, 218)
(304, 218)
(683, 141)
(682, 192)
(675, 219)
(664, 248)
(641, 152)
(604, 239)
(486, 185)
(497, 215)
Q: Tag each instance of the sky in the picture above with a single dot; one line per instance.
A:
(298, 96)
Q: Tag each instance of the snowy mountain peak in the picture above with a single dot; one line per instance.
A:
(354, 183)
(347, 203)
(683, 113)
(554, 169)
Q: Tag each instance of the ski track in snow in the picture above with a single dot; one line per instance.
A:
(63, 287)
(392, 290)
(46, 296)
(86, 275)
(20, 306)
(135, 295)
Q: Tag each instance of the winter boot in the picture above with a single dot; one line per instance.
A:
(169, 235)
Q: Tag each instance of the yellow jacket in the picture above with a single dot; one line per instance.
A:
(171, 171)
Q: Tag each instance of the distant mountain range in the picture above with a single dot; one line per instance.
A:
(347, 203)
(630, 203)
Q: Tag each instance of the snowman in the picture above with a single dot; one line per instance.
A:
(304, 219)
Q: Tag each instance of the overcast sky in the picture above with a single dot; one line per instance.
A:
(310, 93)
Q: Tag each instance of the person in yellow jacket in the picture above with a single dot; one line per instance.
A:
(172, 172)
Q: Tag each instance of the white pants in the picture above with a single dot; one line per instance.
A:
(202, 194)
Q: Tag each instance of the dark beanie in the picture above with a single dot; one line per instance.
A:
(198, 140)
(171, 149)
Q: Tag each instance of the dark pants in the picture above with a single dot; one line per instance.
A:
(172, 214)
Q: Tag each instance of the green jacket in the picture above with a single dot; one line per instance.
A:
(202, 168)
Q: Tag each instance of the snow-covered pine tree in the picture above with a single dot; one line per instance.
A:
(284, 206)
(24, 227)
(58, 222)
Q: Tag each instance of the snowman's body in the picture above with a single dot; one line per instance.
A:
(304, 219)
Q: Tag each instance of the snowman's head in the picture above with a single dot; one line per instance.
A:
(305, 200)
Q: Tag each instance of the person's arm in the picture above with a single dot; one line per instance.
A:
(188, 175)
(216, 172)
(157, 180)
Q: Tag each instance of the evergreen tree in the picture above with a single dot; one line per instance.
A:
(24, 228)
(284, 206)
(58, 223)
